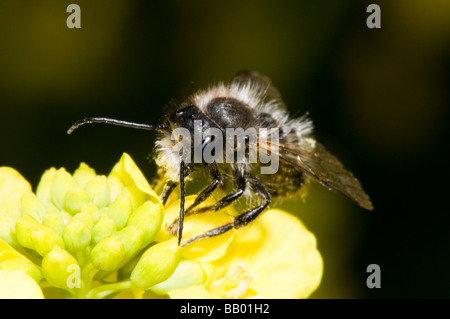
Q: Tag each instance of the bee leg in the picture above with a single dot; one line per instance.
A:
(229, 199)
(210, 233)
(168, 188)
(249, 216)
(217, 178)
(243, 219)
(182, 198)
(222, 203)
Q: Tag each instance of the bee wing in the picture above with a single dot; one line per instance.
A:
(313, 159)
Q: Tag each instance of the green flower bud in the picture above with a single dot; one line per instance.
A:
(132, 238)
(75, 198)
(120, 210)
(115, 186)
(62, 182)
(98, 191)
(148, 218)
(24, 227)
(44, 239)
(12, 187)
(65, 216)
(126, 269)
(83, 175)
(188, 273)
(108, 253)
(56, 267)
(85, 218)
(22, 264)
(54, 220)
(76, 236)
(92, 210)
(43, 190)
(137, 198)
(7, 228)
(32, 206)
(157, 264)
(103, 228)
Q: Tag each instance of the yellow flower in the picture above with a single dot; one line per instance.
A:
(94, 236)
(202, 250)
(16, 284)
(78, 229)
(12, 188)
(274, 257)
(18, 275)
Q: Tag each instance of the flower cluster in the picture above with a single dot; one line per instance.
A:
(95, 236)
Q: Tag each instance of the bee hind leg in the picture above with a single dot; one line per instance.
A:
(249, 216)
(243, 219)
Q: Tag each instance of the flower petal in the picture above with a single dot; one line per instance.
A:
(10, 259)
(203, 250)
(278, 254)
(12, 188)
(193, 292)
(130, 175)
(16, 284)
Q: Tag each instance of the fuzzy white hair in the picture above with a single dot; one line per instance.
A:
(252, 95)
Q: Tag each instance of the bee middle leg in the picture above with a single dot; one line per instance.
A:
(241, 183)
(204, 194)
(222, 203)
(243, 219)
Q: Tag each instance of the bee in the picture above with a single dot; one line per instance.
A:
(248, 101)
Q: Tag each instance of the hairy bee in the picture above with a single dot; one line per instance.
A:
(252, 105)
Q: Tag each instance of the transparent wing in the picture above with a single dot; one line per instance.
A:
(313, 159)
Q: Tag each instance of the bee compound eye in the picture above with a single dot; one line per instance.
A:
(185, 114)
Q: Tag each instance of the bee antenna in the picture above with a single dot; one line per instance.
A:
(105, 120)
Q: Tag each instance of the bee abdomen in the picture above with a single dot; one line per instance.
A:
(285, 183)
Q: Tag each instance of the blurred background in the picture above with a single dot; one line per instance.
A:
(379, 99)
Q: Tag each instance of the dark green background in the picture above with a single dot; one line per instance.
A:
(379, 99)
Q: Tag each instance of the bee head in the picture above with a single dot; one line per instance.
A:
(186, 115)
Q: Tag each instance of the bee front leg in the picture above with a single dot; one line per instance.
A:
(222, 203)
(217, 178)
(168, 188)
(182, 199)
